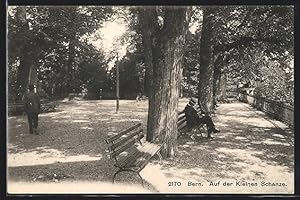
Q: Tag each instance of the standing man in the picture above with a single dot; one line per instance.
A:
(32, 108)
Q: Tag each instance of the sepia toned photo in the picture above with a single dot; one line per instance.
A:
(150, 99)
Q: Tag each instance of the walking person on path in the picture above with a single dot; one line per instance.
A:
(32, 107)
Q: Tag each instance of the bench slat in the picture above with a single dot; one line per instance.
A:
(149, 149)
(181, 122)
(181, 112)
(143, 160)
(109, 140)
(142, 157)
(128, 153)
(124, 140)
(182, 126)
(137, 156)
(181, 117)
(46, 105)
(123, 148)
(192, 100)
(127, 161)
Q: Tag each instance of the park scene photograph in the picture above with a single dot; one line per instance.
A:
(150, 99)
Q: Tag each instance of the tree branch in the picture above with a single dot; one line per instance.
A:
(245, 41)
(249, 13)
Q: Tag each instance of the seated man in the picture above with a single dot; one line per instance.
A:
(193, 119)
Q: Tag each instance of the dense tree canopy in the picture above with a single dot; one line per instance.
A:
(56, 39)
(238, 35)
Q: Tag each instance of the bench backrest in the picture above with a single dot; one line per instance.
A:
(15, 104)
(15, 108)
(195, 105)
(182, 122)
(124, 141)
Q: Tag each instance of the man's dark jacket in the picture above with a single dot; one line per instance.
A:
(32, 103)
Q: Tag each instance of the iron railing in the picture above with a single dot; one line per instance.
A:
(274, 109)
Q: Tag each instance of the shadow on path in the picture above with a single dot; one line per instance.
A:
(249, 148)
(72, 143)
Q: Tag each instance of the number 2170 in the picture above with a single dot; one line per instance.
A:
(174, 183)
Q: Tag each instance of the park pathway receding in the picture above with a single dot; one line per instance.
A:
(250, 150)
(252, 154)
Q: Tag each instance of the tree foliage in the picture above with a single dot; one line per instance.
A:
(57, 39)
(239, 32)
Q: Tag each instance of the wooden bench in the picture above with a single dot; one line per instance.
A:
(18, 108)
(48, 106)
(129, 153)
(15, 108)
(182, 121)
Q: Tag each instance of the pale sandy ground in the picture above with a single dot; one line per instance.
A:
(69, 155)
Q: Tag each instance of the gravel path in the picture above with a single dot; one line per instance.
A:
(250, 155)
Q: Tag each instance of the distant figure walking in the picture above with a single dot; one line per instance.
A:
(32, 107)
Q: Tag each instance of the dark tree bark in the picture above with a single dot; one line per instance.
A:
(71, 54)
(206, 75)
(24, 52)
(149, 29)
(164, 48)
(146, 83)
(218, 66)
(32, 77)
(216, 83)
(69, 71)
(69, 68)
(222, 86)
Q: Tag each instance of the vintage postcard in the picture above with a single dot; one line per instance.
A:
(150, 99)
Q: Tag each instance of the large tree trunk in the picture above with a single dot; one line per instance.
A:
(149, 27)
(148, 69)
(32, 77)
(216, 83)
(70, 65)
(206, 75)
(164, 48)
(68, 71)
(24, 57)
(217, 77)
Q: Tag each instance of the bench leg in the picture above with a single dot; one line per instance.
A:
(127, 170)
